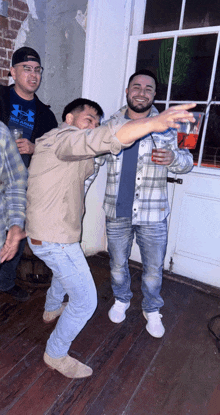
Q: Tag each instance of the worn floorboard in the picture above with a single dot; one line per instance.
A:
(133, 373)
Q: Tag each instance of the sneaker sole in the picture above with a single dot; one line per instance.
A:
(116, 322)
(153, 335)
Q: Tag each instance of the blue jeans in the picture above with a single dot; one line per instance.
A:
(71, 275)
(152, 242)
(8, 269)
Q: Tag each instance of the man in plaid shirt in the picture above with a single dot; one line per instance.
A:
(13, 184)
(136, 203)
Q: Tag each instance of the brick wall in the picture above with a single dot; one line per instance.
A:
(9, 27)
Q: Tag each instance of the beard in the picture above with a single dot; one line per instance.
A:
(137, 109)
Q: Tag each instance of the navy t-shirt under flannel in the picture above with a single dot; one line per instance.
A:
(22, 115)
(127, 181)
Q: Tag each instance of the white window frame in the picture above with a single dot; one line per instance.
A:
(137, 36)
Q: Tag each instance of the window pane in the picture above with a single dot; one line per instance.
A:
(193, 67)
(156, 56)
(201, 13)
(162, 15)
(211, 152)
(216, 89)
(195, 151)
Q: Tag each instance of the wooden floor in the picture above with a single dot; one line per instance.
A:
(134, 374)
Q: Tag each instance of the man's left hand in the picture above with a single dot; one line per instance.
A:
(25, 146)
(14, 236)
(163, 156)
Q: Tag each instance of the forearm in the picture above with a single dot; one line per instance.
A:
(16, 205)
(133, 130)
(182, 163)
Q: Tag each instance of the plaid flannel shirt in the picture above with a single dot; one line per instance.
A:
(13, 184)
(150, 195)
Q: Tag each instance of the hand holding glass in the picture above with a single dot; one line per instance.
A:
(158, 143)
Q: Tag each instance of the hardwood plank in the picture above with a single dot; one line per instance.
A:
(185, 372)
(138, 361)
(15, 316)
(24, 331)
(87, 345)
(39, 396)
(104, 362)
(20, 378)
(107, 360)
(133, 372)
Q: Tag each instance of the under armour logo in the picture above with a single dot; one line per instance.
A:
(22, 115)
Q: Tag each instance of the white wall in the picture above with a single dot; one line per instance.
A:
(108, 29)
(53, 30)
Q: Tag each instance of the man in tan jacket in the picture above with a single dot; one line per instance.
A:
(62, 160)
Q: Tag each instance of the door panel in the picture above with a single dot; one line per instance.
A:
(194, 230)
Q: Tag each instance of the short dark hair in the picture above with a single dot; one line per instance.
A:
(79, 104)
(144, 72)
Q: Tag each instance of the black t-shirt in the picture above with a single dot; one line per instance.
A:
(22, 115)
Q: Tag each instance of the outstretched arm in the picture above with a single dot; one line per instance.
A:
(112, 137)
(135, 129)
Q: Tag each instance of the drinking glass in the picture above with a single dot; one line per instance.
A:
(188, 132)
(16, 133)
(158, 143)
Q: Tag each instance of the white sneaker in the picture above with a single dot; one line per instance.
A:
(117, 311)
(154, 326)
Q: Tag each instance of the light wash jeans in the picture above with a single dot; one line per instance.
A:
(152, 242)
(71, 275)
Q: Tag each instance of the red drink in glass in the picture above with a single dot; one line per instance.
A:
(187, 140)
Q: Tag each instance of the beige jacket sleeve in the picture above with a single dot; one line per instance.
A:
(75, 144)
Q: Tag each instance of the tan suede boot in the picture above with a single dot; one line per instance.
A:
(68, 366)
(50, 316)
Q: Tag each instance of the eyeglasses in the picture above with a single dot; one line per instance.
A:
(29, 69)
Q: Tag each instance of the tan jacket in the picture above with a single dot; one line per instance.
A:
(62, 160)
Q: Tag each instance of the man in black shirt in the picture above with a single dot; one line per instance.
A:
(21, 108)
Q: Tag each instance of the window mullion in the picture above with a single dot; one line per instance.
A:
(182, 14)
(171, 71)
(211, 87)
(181, 32)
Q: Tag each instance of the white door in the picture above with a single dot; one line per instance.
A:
(180, 43)
(194, 228)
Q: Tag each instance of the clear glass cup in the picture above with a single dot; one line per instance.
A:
(16, 133)
(188, 132)
(158, 143)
